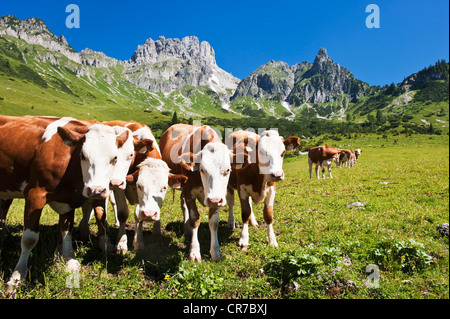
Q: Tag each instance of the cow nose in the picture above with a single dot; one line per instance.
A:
(215, 201)
(278, 175)
(149, 215)
(117, 183)
(97, 192)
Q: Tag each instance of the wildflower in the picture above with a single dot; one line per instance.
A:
(190, 287)
(166, 277)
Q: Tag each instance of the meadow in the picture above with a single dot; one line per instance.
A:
(325, 244)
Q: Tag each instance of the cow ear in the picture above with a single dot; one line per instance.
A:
(71, 137)
(143, 146)
(189, 161)
(122, 138)
(132, 178)
(291, 143)
(239, 160)
(177, 181)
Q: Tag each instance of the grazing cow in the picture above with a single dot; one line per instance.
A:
(59, 162)
(257, 166)
(141, 189)
(322, 156)
(346, 157)
(198, 153)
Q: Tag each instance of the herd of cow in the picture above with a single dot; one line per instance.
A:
(68, 163)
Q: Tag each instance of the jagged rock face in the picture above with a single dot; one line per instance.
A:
(168, 64)
(325, 81)
(320, 82)
(35, 31)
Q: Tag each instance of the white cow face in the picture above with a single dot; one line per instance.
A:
(152, 180)
(99, 155)
(271, 151)
(125, 156)
(213, 162)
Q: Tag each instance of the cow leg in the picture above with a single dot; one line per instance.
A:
(230, 200)
(246, 213)
(4, 206)
(122, 217)
(329, 171)
(112, 199)
(253, 221)
(156, 230)
(317, 170)
(213, 227)
(138, 240)
(185, 210)
(100, 216)
(84, 223)
(268, 216)
(310, 167)
(35, 201)
(194, 223)
(66, 228)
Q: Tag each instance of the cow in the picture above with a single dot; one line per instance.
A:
(146, 188)
(60, 162)
(322, 156)
(141, 188)
(256, 167)
(198, 153)
(347, 157)
(358, 152)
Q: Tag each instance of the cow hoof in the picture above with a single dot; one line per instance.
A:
(273, 245)
(244, 247)
(121, 250)
(216, 256)
(195, 256)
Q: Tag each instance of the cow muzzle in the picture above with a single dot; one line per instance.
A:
(149, 215)
(117, 184)
(215, 202)
(96, 192)
(276, 176)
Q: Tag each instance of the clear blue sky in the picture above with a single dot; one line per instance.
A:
(245, 34)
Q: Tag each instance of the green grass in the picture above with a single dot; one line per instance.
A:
(324, 246)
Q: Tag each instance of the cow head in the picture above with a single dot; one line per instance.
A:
(213, 163)
(151, 181)
(98, 154)
(125, 156)
(271, 149)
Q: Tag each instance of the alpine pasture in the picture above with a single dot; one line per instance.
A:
(325, 243)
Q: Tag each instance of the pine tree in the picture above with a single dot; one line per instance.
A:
(174, 118)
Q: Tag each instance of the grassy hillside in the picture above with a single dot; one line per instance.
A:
(325, 246)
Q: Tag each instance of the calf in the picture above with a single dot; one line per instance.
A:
(322, 156)
(198, 153)
(257, 166)
(60, 164)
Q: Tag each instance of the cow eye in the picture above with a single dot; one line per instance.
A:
(282, 154)
(163, 189)
(226, 172)
(114, 160)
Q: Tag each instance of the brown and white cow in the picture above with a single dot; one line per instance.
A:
(146, 186)
(322, 156)
(257, 166)
(358, 152)
(346, 157)
(198, 153)
(59, 163)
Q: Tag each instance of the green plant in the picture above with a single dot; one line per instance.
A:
(408, 256)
